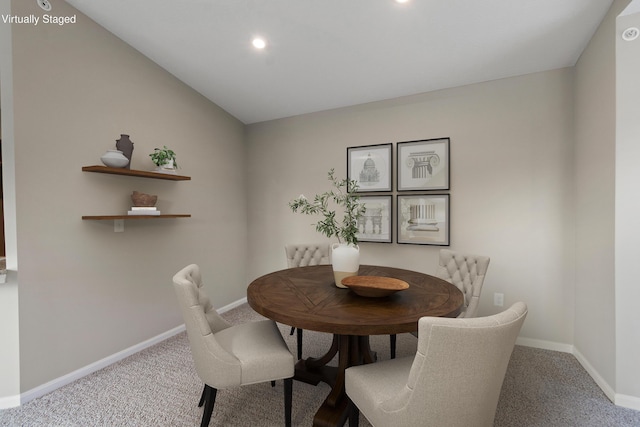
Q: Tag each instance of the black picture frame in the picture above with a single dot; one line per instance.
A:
(371, 166)
(423, 165)
(376, 225)
(423, 219)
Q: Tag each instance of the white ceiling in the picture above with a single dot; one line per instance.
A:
(324, 54)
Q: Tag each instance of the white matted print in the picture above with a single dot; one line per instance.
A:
(423, 165)
(423, 219)
(370, 166)
(375, 224)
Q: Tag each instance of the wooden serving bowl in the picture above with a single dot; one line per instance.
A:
(142, 199)
(374, 286)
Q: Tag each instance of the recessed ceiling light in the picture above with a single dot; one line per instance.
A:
(259, 43)
(402, 1)
(44, 4)
(630, 34)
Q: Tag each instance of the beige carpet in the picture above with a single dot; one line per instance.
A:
(159, 387)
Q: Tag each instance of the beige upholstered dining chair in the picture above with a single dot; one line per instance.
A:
(302, 255)
(454, 379)
(227, 356)
(467, 272)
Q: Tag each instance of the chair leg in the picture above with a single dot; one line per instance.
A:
(354, 415)
(299, 343)
(288, 393)
(392, 344)
(293, 328)
(204, 391)
(273, 383)
(209, 401)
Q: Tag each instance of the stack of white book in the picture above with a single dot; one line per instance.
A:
(143, 210)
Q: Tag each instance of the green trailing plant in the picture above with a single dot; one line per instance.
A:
(160, 156)
(343, 194)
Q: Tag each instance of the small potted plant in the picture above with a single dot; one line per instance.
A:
(345, 256)
(165, 159)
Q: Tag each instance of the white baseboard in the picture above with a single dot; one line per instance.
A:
(625, 401)
(66, 379)
(545, 345)
(606, 388)
(9, 402)
(103, 363)
(622, 400)
(232, 305)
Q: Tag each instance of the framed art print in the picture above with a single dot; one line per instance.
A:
(423, 165)
(370, 166)
(375, 224)
(423, 219)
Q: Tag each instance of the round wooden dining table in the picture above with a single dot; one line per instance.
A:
(307, 298)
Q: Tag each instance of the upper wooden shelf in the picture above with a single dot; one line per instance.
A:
(133, 172)
(110, 217)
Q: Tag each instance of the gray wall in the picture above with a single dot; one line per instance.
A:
(511, 185)
(525, 189)
(9, 333)
(86, 292)
(627, 207)
(595, 199)
(607, 230)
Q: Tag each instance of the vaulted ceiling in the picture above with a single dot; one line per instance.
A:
(324, 54)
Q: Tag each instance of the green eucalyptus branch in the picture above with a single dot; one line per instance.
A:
(343, 194)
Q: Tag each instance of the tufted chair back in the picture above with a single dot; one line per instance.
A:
(302, 255)
(213, 363)
(453, 380)
(227, 355)
(467, 273)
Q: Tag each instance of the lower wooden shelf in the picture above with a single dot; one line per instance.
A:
(112, 217)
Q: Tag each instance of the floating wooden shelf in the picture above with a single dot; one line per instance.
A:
(138, 173)
(112, 217)
(133, 172)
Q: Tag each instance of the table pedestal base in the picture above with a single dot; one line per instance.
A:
(352, 350)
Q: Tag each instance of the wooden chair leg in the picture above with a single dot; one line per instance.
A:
(209, 401)
(392, 344)
(288, 394)
(299, 343)
(204, 390)
(354, 415)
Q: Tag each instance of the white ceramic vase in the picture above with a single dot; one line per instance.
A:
(345, 259)
(114, 159)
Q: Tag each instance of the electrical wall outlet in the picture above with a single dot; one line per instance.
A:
(118, 225)
(498, 299)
